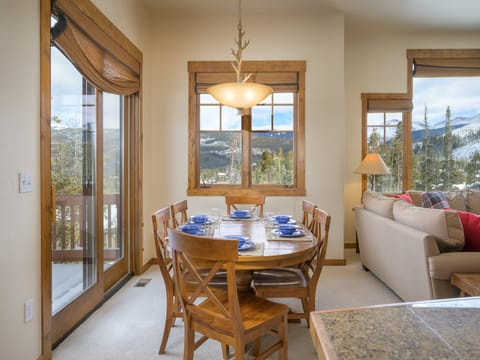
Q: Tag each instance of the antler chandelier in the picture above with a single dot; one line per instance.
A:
(241, 94)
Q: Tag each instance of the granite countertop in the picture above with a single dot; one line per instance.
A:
(438, 329)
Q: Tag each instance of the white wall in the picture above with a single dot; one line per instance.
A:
(19, 151)
(314, 37)
(376, 61)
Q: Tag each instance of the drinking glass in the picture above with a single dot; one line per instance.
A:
(267, 218)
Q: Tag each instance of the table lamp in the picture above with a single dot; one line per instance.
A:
(372, 164)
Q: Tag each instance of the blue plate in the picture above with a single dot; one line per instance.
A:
(233, 216)
(297, 233)
(247, 245)
(240, 238)
(189, 229)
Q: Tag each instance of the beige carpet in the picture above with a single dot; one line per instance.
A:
(130, 324)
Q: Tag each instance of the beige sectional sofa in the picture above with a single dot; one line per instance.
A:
(413, 250)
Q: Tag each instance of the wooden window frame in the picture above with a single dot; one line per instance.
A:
(426, 63)
(389, 102)
(110, 38)
(269, 69)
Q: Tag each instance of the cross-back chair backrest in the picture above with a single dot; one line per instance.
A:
(179, 210)
(160, 222)
(307, 208)
(191, 255)
(256, 200)
(320, 229)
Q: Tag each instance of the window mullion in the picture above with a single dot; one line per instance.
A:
(246, 149)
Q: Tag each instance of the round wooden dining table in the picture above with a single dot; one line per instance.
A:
(272, 251)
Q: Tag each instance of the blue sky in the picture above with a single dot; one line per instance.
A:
(67, 95)
(461, 94)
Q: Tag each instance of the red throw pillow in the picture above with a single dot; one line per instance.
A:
(405, 196)
(471, 228)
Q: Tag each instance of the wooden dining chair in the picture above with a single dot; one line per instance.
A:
(231, 317)
(301, 282)
(161, 221)
(307, 209)
(179, 213)
(256, 200)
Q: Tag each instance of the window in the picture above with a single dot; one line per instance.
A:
(261, 150)
(439, 134)
(385, 121)
(445, 86)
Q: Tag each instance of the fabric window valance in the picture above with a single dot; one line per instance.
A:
(102, 61)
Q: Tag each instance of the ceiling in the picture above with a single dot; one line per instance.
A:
(435, 14)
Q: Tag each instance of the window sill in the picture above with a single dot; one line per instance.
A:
(222, 190)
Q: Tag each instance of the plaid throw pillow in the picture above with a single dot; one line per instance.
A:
(434, 200)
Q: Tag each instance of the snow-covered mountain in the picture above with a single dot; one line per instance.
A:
(461, 127)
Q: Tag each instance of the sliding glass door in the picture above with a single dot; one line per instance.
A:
(87, 144)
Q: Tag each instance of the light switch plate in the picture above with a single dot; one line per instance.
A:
(25, 182)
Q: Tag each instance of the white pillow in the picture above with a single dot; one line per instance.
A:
(378, 203)
(445, 225)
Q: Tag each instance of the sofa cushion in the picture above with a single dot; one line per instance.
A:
(416, 197)
(445, 225)
(456, 200)
(471, 229)
(473, 201)
(434, 200)
(378, 203)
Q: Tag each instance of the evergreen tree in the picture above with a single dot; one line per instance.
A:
(449, 174)
(425, 161)
(472, 169)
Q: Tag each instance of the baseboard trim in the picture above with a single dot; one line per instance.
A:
(335, 262)
(152, 261)
(349, 246)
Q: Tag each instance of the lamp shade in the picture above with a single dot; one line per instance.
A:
(239, 95)
(372, 164)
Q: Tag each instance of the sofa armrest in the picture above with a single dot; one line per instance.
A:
(397, 254)
(443, 265)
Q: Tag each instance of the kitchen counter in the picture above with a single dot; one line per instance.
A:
(437, 329)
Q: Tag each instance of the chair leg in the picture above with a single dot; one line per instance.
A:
(239, 349)
(225, 351)
(282, 332)
(306, 309)
(256, 346)
(189, 343)
(172, 305)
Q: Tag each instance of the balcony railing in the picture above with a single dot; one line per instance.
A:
(68, 233)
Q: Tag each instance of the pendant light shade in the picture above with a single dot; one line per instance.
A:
(240, 94)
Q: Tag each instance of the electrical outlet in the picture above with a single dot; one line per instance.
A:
(25, 182)
(28, 310)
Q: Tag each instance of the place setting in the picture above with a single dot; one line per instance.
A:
(241, 214)
(200, 225)
(246, 246)
(284, 227)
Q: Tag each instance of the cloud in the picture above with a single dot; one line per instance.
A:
(461, 94)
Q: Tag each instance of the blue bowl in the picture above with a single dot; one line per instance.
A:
(191, 228)
(282, 219)
(286, 229)
(200, 219)
(240, 213)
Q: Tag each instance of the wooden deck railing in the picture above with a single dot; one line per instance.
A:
(68, 235)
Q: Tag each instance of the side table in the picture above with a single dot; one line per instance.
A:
(468, 283)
